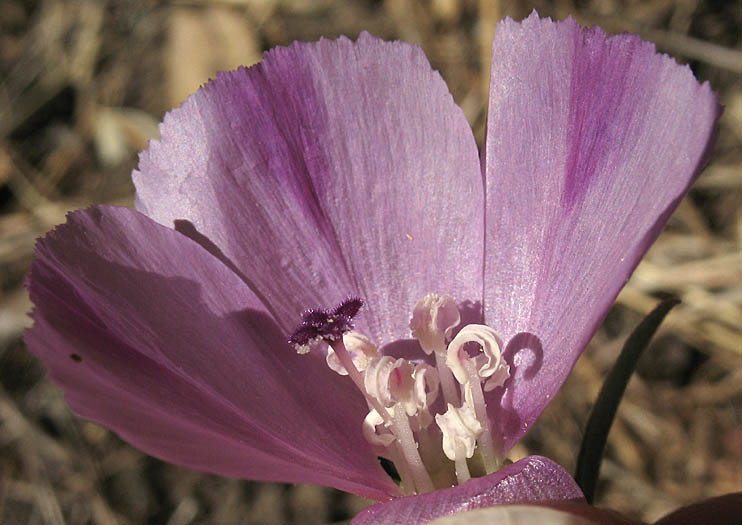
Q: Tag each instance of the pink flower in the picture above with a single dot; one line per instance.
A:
(339, 169)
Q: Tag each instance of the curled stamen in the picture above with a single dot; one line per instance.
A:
(459, 425)
(488, 363)
(426, 385)
(433, 319)
(425, 392)
(390, 381)
(470, 372)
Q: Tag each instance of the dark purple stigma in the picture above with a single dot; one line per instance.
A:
(325, 325)
(349, 308)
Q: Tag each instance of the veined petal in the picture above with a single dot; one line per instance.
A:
(152, 336)
(591, 143)
(531, 479)
(330, 169)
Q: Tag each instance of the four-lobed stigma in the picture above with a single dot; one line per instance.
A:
(428, 416)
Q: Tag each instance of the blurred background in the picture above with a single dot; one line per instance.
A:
(83, 85)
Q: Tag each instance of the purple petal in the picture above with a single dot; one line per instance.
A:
(531, 479)
(150, 335)
(331, 169)
(591, 144)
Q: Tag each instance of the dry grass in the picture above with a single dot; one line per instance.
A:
(82, 87)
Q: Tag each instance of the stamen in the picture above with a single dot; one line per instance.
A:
(390, 381)
(471, 371)
(461, 429)
(426, 386)
(489, 362)
(433, 320)
(497, 379)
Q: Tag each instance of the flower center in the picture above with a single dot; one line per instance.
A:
(428, 416)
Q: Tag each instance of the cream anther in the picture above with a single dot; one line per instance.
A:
(426, 385)
(489, 363)
(460, 429)
(389, 380)
(424, 393)
(373, 420)
(433, 319)
(361, 351)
